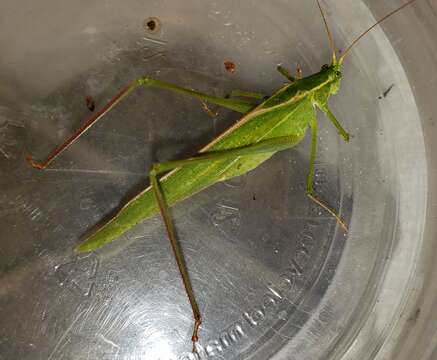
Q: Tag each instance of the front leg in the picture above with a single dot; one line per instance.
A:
(324, 107)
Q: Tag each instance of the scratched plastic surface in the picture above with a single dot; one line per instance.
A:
(274, 275)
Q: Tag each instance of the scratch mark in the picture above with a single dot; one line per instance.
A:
(65, 334)
(88, 311)
(35, 213)
(280, 334)
(5, 154)
(278, 295)
(226, 206)
(155, 41)
(154, 56)
(109, 341)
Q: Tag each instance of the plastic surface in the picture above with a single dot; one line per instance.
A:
(273, 273)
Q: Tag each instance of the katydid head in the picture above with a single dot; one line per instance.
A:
(333, 70)
(334, 75)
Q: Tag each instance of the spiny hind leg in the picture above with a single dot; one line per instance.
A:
(310, 179)
(265, 146)
(240, 106)
(246, 94)
(232, 104)
(178, 254)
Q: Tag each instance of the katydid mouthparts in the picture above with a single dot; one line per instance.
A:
(271, 124)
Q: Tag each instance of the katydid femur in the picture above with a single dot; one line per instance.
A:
(272, 124)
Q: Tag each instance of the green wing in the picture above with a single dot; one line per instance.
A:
(266, 121)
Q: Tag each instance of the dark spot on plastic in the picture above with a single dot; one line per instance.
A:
(414, 317)
(152, 25)
(90, 103)
(230, 66)
(386, 92)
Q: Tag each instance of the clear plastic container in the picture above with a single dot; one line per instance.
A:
(275, 277)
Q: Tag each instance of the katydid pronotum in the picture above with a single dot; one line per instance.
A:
(269, 125)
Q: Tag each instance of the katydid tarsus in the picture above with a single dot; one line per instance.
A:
(270, 124)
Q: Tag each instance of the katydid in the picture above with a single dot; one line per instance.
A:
(268, 125)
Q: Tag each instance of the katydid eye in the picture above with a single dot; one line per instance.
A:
(325, 67)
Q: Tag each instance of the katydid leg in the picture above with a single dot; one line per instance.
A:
(344, 134)
(265, 146)
(258, 97)
(310, 178)
(247, 94)
(232, 104)
(337, 124)
(237, 105)
(177, 251)
(285, 72)
(81, 130)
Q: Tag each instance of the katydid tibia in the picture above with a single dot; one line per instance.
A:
(269, 125)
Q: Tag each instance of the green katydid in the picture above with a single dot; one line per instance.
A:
(272, 124)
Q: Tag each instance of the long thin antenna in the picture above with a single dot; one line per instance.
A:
(371, 28)
(328, 31)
